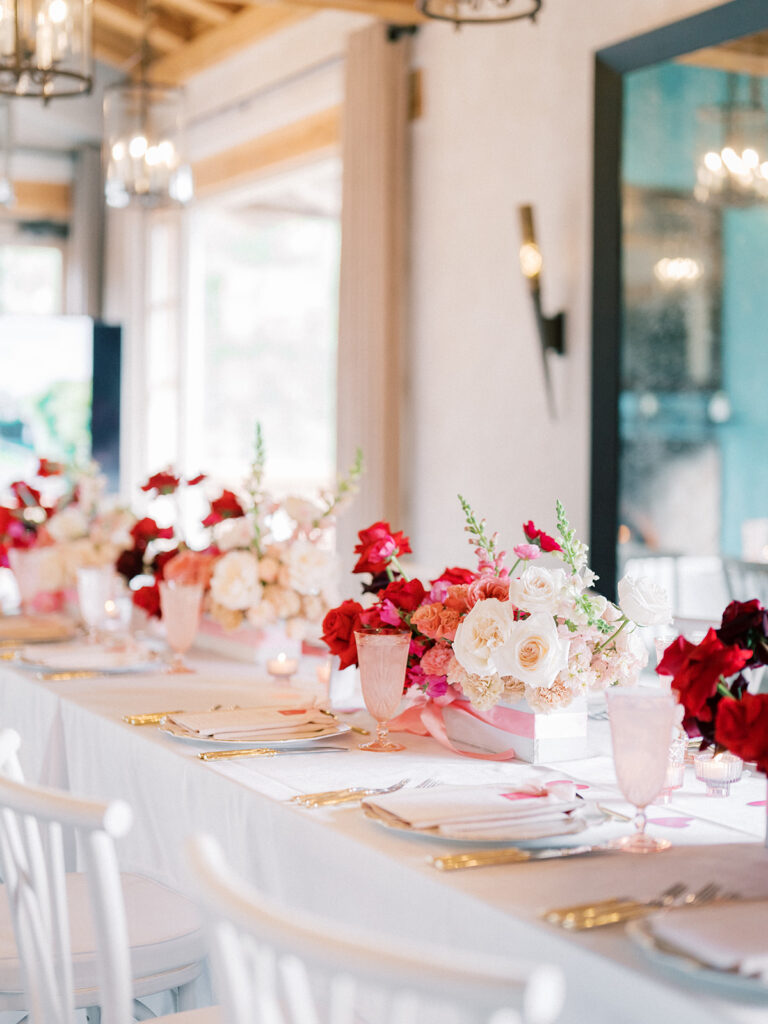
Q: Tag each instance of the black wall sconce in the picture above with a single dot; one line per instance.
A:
(551, 329)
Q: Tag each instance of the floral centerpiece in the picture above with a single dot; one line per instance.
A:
(275, 562)
(711, 680)
(496, 636)
(60, 522)
(267, 561)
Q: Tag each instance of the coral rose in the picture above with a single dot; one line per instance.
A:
(487, 586)
(427, 620)
(190, 567)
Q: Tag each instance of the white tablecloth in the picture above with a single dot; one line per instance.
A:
(338, 863)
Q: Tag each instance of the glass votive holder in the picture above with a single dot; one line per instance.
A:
(717, 771)
(675, 766)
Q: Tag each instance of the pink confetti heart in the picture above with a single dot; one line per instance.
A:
(578, 785)
(670, 822)
(758, 803)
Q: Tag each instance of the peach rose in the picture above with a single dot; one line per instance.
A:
(487, 586)
(190, 567)
(436, 661)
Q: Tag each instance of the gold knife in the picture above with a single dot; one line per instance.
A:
(509, 855)
(152, 718)
(220, 755)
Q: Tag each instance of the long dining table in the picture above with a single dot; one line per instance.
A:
(338, 863)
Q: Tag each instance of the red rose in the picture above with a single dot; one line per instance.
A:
(339, 627)
(146, 530)
(163, 483)
(148, 598)
(741, 726)
(406, 595)
(455, 576)
(746, 623)
(377, 546)
(130, 563)
(696, 669)
(226, 506)
(194, 480)
(49, 468)
(536, 536)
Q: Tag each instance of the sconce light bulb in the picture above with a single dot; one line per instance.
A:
(712, 161)
(530, 260)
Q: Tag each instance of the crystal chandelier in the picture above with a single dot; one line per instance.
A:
(733, 168)
(144, 142)
(45, 48)
(7, 194)
(478, 12)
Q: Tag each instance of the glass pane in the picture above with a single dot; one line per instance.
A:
(693, 491)
(271, 287)
(31, 279)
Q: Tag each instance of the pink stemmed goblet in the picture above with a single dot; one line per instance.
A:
(383, 658)
(180, 604)
(641, 727)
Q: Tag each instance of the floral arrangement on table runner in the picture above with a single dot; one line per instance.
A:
(252, 570)
(711, 682)
(495, 634)
(65, 514)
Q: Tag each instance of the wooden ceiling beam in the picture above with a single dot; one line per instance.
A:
(119, 20)
(397, 12)
(310, 136)
(201, 10)
(40, 200)
(239, 31)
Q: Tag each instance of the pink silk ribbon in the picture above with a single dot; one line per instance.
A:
(425, 718)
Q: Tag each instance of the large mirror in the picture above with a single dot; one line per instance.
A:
(680, 484)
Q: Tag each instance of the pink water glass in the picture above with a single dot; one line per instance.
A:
(641, 721)
(180, 604)
(382, 658)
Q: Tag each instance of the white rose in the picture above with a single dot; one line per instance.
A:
(261, 614)
(235, 581)
(233, 533)
(534, 652)
(644, 601)
(302, 511)
(484, 631)
(538, 589)
(69, 524)
(284, 601)
(307, 567)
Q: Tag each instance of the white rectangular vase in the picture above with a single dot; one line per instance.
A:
(542, 738)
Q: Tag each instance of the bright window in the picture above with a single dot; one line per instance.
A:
(31, 279)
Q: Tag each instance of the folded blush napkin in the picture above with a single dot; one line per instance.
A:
(726, 936)
(262, 723)
(472, 809)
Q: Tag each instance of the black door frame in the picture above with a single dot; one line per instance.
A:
(729, 21)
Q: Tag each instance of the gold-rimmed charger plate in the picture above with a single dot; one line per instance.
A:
(681, 964)
(17, 630)
(328, 732)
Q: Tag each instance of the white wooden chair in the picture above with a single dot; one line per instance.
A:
(275, 966)
(95, 939)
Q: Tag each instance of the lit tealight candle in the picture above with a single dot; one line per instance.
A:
(718, 772)
(282, 665)
(324, 673)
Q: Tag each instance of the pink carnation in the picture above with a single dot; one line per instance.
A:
(436, 661)
(485, 587)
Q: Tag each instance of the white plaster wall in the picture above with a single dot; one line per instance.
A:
(507, 120)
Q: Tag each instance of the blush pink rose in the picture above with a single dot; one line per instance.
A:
(527, 552)
(485, 587)
(436, 661)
